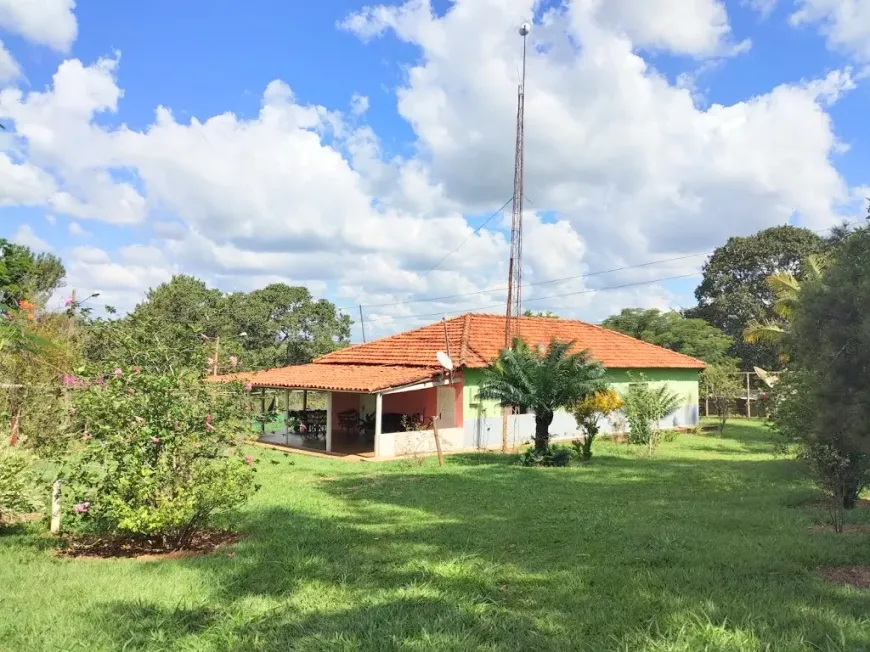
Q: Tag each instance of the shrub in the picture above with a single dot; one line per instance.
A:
(645, 407)
(551, 456)
(158, 456)
(18, 483)
(588, 412)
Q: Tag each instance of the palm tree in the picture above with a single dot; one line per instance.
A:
(541, 381)
(786, 289)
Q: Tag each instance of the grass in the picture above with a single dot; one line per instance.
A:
(700, 548)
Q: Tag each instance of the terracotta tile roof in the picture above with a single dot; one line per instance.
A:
(346, 378)
(475, 340)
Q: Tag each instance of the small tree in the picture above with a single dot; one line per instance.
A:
(158, 456)
(589, 411)
(720, 385)
(542, 382)
(645, 407)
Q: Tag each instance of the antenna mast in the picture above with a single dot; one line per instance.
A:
(514, 308)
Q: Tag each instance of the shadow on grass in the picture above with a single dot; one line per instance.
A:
(618, 554)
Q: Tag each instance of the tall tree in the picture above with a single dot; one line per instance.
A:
(826, 404)
(734, 290)
(671, 330)
(25, 275)
(185, 324)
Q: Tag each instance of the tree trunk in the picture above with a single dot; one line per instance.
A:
(543, 419)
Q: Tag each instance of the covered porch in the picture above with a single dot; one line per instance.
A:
(349, 419)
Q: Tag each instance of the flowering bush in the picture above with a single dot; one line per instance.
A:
(158, 454)
(589, 411)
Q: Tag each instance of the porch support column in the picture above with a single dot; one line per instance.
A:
(379, 413)
(329, 421)
(305, 400)
(287, 414)
(263, 411)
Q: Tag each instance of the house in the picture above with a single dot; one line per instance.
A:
(400, 375)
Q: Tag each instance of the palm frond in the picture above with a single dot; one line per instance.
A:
(758, 332)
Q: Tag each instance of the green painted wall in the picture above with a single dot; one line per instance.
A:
(683, 382)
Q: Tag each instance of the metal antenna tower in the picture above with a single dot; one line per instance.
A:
(514, 308)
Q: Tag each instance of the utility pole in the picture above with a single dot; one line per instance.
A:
(362, 322)
(514, 308)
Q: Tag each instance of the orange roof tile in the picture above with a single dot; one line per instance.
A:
(475, 340)
(341, 378)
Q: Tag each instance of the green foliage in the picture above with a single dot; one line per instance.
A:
(671, 330)
(646, 405)
(588, 412)
(525, 379)
(735, 289)
(540, 313)
(158, 454)
(720, 384)
(25, 275)
(19, 484)
(183, 324)
(550, 456)
(825, 406)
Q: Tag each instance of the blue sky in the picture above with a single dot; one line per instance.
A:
(374, 194)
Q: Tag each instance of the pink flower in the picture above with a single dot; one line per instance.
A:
(249, 460)
(249, 386)
(131, 391)
(81, 508)
(234, 361)
(117, 372)
(139, 419)
(70, 381)
(87, 436)
(155, 440)
(136, 371)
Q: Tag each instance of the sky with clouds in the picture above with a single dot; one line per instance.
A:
(352, 147)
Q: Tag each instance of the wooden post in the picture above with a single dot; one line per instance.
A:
(504, 430)
(217, 352)
(329, 422)
(362, 322)
(748, 402)
(379, 413)
(262, 410)
(16, 420)
(55, 507)
(437, 441)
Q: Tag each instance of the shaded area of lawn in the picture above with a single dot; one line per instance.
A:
(692, 550)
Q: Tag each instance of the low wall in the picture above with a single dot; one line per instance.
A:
(398, 444)
(485, 431)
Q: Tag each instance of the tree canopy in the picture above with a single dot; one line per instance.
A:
(25, 275)
(735, 291)
(185, 324)
(673, 331)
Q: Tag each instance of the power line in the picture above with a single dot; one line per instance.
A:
(460, 245)
(567, 278)
(548, 282)
(552, 296)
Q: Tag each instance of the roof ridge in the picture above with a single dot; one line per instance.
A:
(384, 338)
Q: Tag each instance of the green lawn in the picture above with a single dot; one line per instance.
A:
(705, 547)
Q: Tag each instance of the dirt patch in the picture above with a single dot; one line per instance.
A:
(857, 576)
(18, 519)
(847, 528)
(107, 548)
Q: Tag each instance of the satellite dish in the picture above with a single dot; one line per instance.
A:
(444, 360)
(769, 379)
